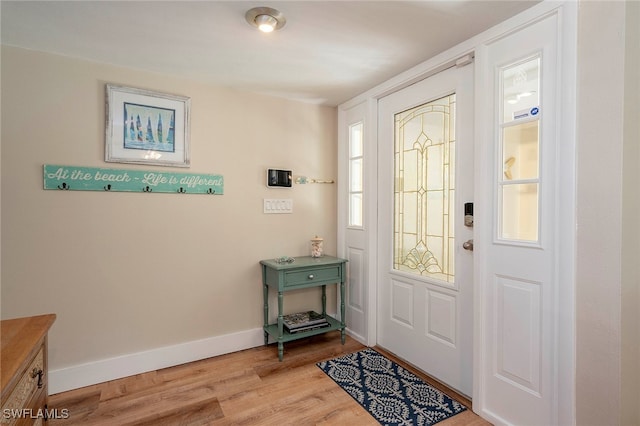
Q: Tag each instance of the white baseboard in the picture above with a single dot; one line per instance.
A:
(356, 336)
(82, 375)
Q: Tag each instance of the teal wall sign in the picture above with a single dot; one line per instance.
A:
(69, 178)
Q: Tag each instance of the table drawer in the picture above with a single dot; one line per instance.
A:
(308, 276)
(26, 388)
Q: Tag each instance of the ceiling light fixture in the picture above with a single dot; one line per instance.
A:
(265, 19)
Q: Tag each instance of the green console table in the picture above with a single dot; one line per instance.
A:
(303, 272)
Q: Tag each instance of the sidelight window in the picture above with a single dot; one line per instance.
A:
(519, 165)
(356, 175)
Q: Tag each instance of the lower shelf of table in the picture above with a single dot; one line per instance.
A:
(272, 329)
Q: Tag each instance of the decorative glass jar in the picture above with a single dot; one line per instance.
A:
(316, 246)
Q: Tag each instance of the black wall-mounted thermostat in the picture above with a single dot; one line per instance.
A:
(279, 178)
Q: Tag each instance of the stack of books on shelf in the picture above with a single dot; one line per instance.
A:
(304, 321)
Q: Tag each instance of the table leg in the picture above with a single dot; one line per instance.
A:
(342, 323)
(265, 295)
(280, 325)
(324, 300)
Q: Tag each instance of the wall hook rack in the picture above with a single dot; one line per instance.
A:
(130, 180)
(304, 180)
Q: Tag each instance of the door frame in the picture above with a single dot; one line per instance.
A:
(365, 106)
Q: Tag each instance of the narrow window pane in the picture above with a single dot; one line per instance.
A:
(355, 210)
(356, 175)
(520, 151)
(410, 209)
(520, 212)
(355, 140)
(521, 90)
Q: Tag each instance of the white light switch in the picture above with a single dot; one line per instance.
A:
(278, 205)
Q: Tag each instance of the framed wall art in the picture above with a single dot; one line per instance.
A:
(146, 127)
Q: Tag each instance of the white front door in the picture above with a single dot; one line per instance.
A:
(425, 177)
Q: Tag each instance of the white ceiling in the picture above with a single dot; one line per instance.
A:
(327, 53)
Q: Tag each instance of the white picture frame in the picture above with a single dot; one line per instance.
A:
(146, 127)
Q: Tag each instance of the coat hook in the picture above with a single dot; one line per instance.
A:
(147, 189)
(304, 179)
(211, 191)
(107, 188)
(64, 186)
(182, 191)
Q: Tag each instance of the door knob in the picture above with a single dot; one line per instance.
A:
(468, 245)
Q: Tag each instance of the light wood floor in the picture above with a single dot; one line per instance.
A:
(249, 387)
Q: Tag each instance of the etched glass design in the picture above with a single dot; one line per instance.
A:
(424, 190)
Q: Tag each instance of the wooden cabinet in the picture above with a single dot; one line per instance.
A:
(303, 272)
(24, 370)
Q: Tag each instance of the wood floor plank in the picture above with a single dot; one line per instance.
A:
(199, 413)
(150, 407)
(250, 387)
(140, 382)
(80, 403)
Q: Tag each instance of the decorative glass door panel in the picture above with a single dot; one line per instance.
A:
(519, 177)
(424, 170)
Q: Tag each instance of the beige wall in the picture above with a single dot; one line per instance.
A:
(129, 272)
(607, 383)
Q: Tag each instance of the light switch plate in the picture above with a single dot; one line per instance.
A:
(278, 205)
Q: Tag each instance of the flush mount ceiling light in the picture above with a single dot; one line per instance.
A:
(265, 19)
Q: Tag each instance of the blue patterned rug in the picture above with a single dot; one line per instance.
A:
(390, 393)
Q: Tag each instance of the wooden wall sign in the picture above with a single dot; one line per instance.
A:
(70, 178)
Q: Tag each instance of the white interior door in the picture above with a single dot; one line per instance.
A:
(425, 176)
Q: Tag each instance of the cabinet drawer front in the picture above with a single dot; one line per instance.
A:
(308, 276)
(26, 388)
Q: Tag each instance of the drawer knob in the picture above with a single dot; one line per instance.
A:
(310, 276)
(37, 372)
